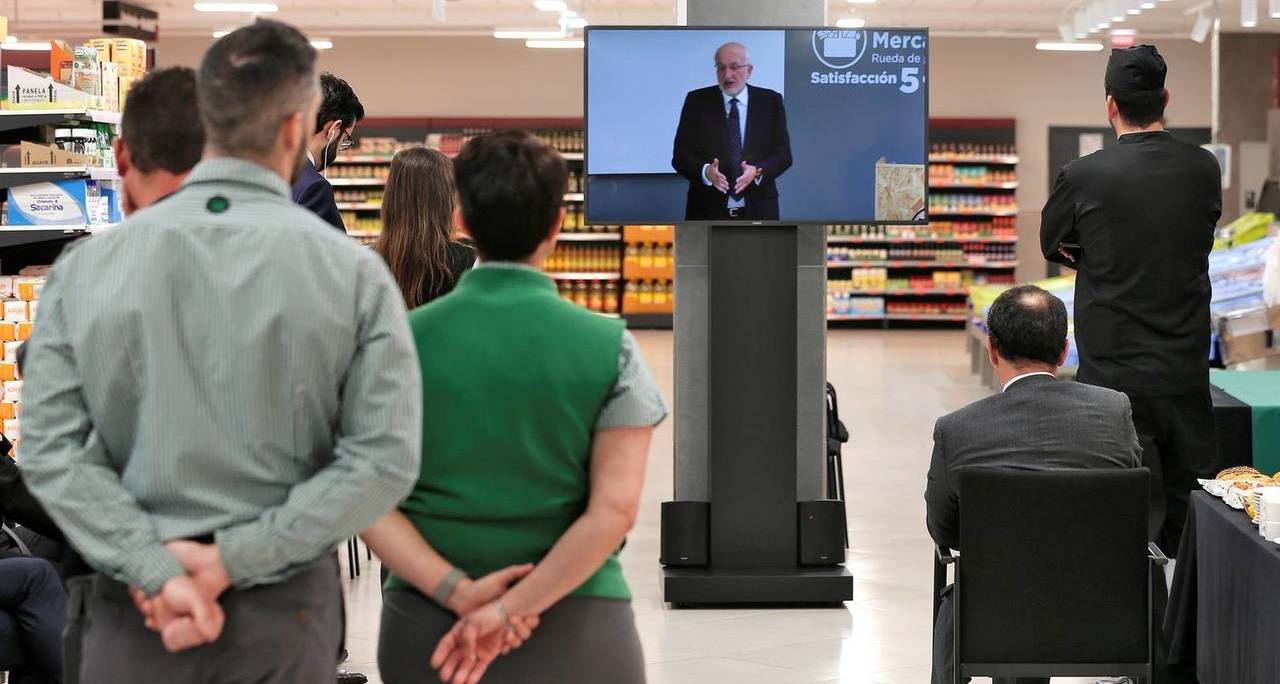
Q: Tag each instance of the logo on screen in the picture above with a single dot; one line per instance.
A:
(839, 49)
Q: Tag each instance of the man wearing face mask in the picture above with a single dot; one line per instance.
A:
(340, 109)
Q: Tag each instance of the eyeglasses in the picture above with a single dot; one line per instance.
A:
(346, 142)
(736, 68)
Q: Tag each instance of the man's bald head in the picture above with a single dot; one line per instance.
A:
(733, 67)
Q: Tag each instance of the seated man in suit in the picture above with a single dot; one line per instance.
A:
(1035, 423)
(732, 144)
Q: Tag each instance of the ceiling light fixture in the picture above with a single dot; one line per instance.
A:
(1054, 46)
(1248, 13)
(220, 34)
(1148, 5)
(575, 23)
(565, 44)
(550, 5)
(851, 22)
(1124, 32)
(1275, 9)
(322, 44)
(38, 45)
(1200, 31)
(255, 7)
(528, 34)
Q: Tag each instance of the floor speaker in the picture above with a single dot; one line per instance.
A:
(685, 526)
(822, 532)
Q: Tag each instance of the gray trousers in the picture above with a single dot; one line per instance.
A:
(285, 633)
(580, 639)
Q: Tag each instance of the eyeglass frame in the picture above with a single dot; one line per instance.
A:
(735, 68)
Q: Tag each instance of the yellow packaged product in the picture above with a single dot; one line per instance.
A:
(16, 310)
(24, 330)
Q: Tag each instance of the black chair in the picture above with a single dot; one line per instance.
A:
(1056, 575)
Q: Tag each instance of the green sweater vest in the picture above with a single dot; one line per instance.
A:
(513, 380)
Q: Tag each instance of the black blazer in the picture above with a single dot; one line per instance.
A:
(703, 136)
(314, 192)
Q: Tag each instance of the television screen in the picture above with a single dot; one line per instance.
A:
(757, 125)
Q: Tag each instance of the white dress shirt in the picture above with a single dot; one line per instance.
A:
(742, 125)
(1007, 385)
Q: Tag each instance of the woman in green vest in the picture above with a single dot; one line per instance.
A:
(536, 426)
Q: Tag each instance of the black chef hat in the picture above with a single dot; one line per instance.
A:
(1139, 69)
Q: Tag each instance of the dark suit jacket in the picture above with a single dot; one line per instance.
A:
(1038, 424)
(314, 192)
(703, 136)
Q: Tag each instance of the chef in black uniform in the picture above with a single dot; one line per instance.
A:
(1136, 222)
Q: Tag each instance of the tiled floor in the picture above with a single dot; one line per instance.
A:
(892, 385)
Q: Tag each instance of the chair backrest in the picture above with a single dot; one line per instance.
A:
(1053, 566)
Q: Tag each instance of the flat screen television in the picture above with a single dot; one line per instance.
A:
(784, 126)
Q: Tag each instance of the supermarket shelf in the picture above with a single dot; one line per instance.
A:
(995, 160)
(590, 237)
(960, 318)
(973, 186)
(363, 233)
(979, 214)
(358, 206)
(357, 182)
(607, 315)
(855, 240)
(14, 236)
(13, 177)
(922, 264)
(572, 156)
(855, 317)
(363, 159)
(908, 292)
(649, 321)
(585, 276)
(575, 197)
(11, 119)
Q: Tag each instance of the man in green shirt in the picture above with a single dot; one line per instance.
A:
(217, 393)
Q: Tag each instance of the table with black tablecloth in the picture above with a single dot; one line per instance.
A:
(1224, 610)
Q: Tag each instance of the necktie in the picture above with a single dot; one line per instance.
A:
(734, 124)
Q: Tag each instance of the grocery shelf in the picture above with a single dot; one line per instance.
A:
(960, 318)
(590, 237)
(363, 159)
(857, 240)
(358, 206)
(26, 175)
(575, 197)
(586, 276)
(363, 233)
(649, 320)
(973, 186)
(13, 236)
(11, 119)
(357, 182)
(572, 156)
(979, 214)
(922, 264)
(908, 292)
(993, 159)
(855, 317)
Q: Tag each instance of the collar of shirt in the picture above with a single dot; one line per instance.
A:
(742, 99)
(236, 170)
(508, 265)
(311, 158)
(1142, 135)
(1009, 384)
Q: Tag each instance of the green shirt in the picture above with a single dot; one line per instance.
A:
(517, 382)
(222, 363)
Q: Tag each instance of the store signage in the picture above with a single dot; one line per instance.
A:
(128, 20)
(870, 58)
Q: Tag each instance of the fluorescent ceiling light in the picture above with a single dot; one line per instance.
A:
(1200, 31)
(1248, 13)
(1053, 46)
(862, 2)
(1148, 5)
(528, 34)
(1124, 32)
(851, 22)
(220, 34)
(575, 22)
(322, 44)
(258, 7)
(1135, 12)
(1275, 9)
(550, 5)
(571, 44)
(39, 45)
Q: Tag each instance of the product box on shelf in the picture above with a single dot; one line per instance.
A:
(61, 61)
(29, 90)
(35, 154)
(50, 203)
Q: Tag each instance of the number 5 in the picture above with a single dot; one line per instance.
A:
(910, 81)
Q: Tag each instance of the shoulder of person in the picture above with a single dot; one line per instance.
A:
(706, 93)
(766, 93)
(1093, 394)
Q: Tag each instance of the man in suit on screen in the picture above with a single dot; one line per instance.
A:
(732, 144)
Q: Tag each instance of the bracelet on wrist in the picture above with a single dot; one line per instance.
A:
(445, 589)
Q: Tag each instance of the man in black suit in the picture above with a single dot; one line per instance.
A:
(340, 109)
(732, 144)
(1035, 423)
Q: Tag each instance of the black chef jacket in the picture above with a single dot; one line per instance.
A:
(1143, 213)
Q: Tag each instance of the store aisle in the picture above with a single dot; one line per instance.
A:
(892, 385)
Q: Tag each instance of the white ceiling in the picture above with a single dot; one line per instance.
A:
(43, 18)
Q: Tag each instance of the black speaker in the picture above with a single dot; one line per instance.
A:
(685, 528)
(821, 532)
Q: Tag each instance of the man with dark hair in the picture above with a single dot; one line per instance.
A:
(340, 109)
(1136, 221)
(162, 137)
(184, 428)
(1035, 423)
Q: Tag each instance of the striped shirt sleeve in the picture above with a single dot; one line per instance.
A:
(635, 400)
